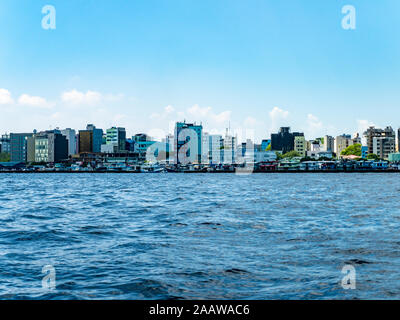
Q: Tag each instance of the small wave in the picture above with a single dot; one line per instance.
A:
(236, 271)
(357, 261)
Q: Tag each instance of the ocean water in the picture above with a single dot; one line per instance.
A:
(199, 236)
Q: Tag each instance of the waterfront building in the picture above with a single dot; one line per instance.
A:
(373, 132)
(264, 156)
(383, 146)
(85, 141)
(265, 144)
(342, 142)
(289, 164)
(70, 134)
(109, 148)
(245, 147)
(118, 136)
(284, 140)
(142, 142)
(229, 148)
(170, 144)
(188, 142)
(315, 146)
(394, 157)
(18, 146)
(97, 139)
(30, 145)
(356, 138)
(398, 140)
(130, 145)
(212, 149)
(364, 152)
(300, 145)
(5, 143)
(319, 153)
(328, 143)
(50, 146)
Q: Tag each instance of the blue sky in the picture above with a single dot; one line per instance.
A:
(253, 64)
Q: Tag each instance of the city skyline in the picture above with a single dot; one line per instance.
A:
(146, 66)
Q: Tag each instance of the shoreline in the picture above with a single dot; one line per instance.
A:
(218, 172)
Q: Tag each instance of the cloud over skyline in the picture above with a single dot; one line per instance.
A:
(104, 110)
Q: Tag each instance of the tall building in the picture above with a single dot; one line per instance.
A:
(169, 145)
(284, 140)
(342, 142)
(5, 143)
(70, 134)
(18, 146)
(356, 138)
(50, 146)
(329, 143)
(398, 140)
(229, 148)
(300, 145)
(373, 132)
(190, 131)
(142, 143)
(212, 149)
(30, 145)
(117, 137)
(85, 141)
(383, 146)
(97, 138)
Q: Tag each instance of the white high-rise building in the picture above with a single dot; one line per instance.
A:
(329, 144)
(230, 149)
(170, 145)
(212, 149)
(70, 134)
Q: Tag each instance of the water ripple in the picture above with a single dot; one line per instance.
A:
(182, 236)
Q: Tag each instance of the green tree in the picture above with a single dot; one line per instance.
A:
(353, 150)
(268, 148)
(372, 156)
(4, 157)
(278, 155)
(291, 154)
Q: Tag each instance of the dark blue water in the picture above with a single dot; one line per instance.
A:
(207, 236)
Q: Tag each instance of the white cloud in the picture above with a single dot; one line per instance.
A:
(76, 97)
(278, 118)
(314, 123)
(56, 115)
(198, 111)
(222, 117)
(363, 125)
(277, 114)
(169, 109)
(250, 122)
(155, 115)
(207, 114)
(113, 97)
(33, 101)
(5, 97)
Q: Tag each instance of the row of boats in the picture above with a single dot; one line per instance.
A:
(273, 166)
